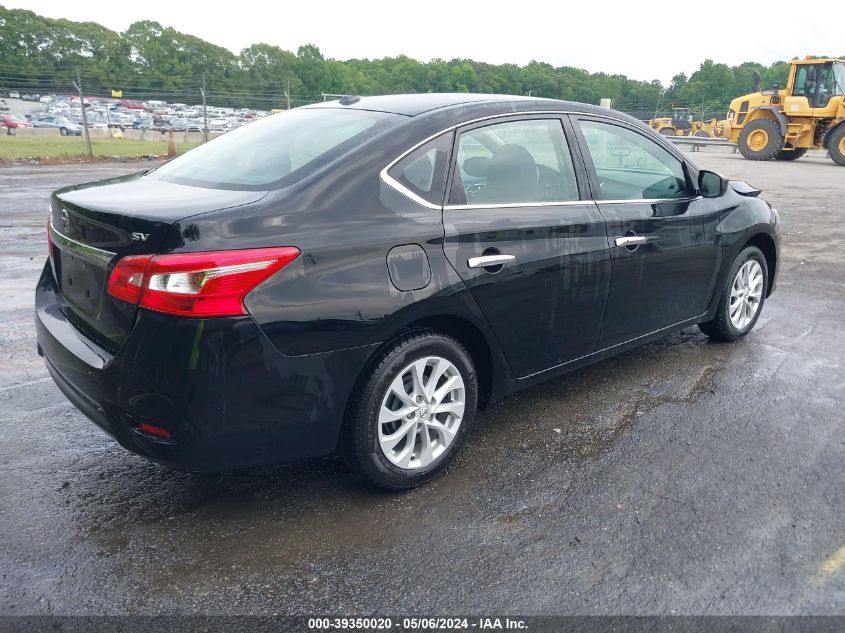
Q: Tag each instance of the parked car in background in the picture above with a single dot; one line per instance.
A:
(362, 276)
(14, 94)
(131, 104)
(178, 125)
(3, 106)
(93, 119)
(218, 124)
(10, 123)
(64, 124)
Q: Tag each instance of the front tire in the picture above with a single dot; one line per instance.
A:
(413, 410)
(742, 297)
(760, 140)
(836, 145)
(63, 131)
(668, 131)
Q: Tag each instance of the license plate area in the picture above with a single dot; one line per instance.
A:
(81, 281)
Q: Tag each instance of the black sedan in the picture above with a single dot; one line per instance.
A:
(363, 275)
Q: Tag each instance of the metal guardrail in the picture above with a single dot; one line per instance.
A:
(698, 142)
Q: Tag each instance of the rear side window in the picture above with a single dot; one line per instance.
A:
(518, 162)
(276, 151)
(423, 171)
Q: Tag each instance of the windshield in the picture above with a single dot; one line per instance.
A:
(276, 151)
(839, 78)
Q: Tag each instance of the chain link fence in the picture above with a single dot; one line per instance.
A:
(144, 121)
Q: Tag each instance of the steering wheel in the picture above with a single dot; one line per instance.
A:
(668, 187)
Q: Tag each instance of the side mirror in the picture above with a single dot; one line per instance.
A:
(711, 184)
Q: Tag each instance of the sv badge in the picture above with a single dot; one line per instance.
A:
(140, 237)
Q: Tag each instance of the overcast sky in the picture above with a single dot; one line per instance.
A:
(643, 40)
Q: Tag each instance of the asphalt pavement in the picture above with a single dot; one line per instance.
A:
(684, 477)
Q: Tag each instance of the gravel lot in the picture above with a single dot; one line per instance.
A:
(683, 477)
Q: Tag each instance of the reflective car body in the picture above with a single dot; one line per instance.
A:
(377, 258)
(57, 122)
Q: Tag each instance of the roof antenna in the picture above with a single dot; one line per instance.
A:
(348, 100)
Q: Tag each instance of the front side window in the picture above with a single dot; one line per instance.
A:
(276, 151)
(515, 162)
(423, 171)
(630, 166)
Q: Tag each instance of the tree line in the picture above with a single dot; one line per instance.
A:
(42, 54)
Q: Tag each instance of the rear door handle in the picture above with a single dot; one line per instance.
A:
(489, 260)
(631, 240)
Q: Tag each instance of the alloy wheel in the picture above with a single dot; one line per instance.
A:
(746, 294)
(421, 412)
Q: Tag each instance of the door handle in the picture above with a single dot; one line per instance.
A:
(631, 240)
(489, 260)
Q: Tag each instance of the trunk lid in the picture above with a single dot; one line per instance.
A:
(92, 226)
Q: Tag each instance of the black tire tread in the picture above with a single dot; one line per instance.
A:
(352, 450)
(833, 142)
(720, 327)
(768, 152)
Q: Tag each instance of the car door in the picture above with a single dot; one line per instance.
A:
(523, 234)
(661, 234)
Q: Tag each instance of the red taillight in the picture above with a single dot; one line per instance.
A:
(127, 279)
(209, 284)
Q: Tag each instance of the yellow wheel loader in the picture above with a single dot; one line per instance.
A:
(783, 123)
(681, 124)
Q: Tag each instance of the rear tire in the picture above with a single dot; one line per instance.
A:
(745, 290)
(435, 415)
(760, 140)
(790, 154)
(668, 131)
(836, 145)
(702, 134)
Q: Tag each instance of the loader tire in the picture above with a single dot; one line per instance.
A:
(760, 140)
(790, 154)
(836, 145)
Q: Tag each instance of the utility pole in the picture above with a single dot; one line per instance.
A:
(287, 93)
(204, 112)
(78, 85)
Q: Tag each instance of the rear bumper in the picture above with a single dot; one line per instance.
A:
(227, 396)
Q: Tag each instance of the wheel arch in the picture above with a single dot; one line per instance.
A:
(461, 329)
(473, 340)
(769, 112)
(766, 243)
(830, 132)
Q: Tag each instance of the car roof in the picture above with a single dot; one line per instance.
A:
(412, 105)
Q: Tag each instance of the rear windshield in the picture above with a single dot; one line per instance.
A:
(276, 151)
